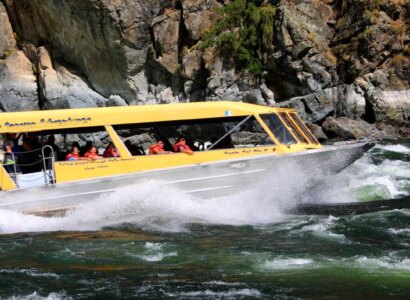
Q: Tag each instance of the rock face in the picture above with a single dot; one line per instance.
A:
(7, 40)
(327, 59)
(108, 41)
(18, 88)
(61, 88)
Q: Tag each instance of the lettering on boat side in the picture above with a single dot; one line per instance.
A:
(49, 122)
(246, 151)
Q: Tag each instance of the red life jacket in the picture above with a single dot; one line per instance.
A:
(110, 152)
(71, 156)
(179, 144)
(89, 154)
(155, 149)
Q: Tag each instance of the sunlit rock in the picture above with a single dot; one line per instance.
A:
(62, 88)
(18, 88)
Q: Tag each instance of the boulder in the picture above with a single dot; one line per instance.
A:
(267, 94)
(391, 132)
(355, 102)
(347, 128)
(254, 96)
(18, 87)
(116, 100)
(314, 107)
(317, 132)
(166, 96)
(392, 107)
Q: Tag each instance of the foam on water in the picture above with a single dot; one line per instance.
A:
(391, 177)
(155, 252)
(36, 296)
(288, 263)
(30, 272)
(218, 295)
(394, 148)
(383, 263)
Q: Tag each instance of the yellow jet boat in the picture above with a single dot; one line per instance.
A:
(234, 146)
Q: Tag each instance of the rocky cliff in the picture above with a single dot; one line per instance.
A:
(329, 59)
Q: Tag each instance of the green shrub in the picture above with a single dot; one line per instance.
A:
(243, 32)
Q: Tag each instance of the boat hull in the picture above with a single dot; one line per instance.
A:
(204, 180)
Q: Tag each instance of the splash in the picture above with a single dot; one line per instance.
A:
(164, 209)
(151, 205)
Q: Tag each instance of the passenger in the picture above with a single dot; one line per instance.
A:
(86, 148)
(30, 160)
(33, 140)
(12, 141)
(92, 153)
(74, 154)
(181, 146)
(110, 151)
(51, 141)
(9, 161)
(158, 148)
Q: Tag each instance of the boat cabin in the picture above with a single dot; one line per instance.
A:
(36, 144)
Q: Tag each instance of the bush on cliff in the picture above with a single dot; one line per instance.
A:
(243, 33)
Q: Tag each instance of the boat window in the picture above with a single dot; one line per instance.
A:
(302, 126)
(278, 129)
(63, 140)
(217, 133)
(294, 129)
(137, 138)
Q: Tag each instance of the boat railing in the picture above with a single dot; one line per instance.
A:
(49, 159)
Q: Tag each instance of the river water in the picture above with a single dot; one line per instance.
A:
(145, 242)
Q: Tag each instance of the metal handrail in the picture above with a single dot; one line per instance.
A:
(229, 132)
(45, 159)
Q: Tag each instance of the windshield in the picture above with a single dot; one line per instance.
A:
(278, 129)
(306, 131)
(293, 127)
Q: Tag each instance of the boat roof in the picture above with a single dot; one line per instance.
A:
(105, 116)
